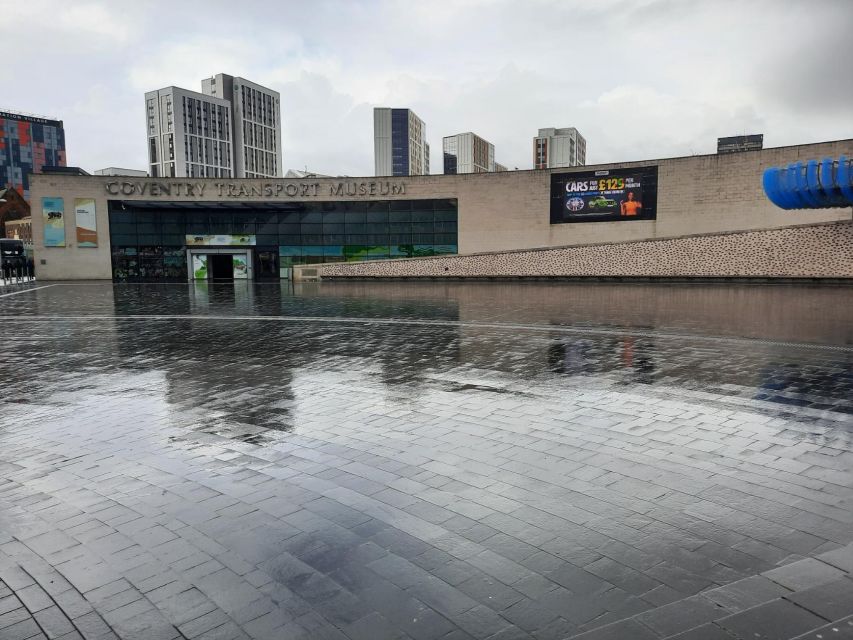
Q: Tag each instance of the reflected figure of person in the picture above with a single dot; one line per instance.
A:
(631, 207)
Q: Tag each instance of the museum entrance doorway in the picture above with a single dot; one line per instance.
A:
(221, 267)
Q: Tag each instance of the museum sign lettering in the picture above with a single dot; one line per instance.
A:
(254, 190)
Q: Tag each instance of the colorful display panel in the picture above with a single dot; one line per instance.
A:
(607, 195)
(53, 215)
(87, 224)
(221, 240)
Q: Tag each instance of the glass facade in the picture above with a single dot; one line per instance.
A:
(149, 239)
(400, 142)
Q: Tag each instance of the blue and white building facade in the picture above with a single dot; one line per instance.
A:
(399, 143)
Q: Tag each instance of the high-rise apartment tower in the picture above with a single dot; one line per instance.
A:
(559, 148)
(399, 143)
(230, 130)
(468, 153)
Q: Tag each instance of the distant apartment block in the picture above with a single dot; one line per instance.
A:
(230, 130)
(559, 148)
(256, 113)
(189, 135)
(469, 153)
(399, 143)
(28, 143)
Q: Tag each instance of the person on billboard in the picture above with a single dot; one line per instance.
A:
(631, 207)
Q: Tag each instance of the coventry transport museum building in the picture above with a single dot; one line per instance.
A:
(170, 229)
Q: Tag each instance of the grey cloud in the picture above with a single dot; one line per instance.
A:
(639, 78)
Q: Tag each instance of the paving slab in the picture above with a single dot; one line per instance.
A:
(246, 460)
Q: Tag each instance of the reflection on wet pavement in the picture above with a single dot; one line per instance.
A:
(423, 460)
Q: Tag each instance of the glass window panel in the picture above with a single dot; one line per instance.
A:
(423, 238)
(445, 227)
(289, 216)
(377, 227)
(446, 215)
(400, 227)
(149, 239)
(400, 216)
(423, 250)
(267, 227)
(123, 238)
(422, 205)
(377, 238)
(289, 254)
(355, 239)
(441, 249)
(355, 217)
(287, 227)
(422, 227)
(310, 228)
(336, 227)
(403, 250)
(312, 238)
(422, 216)
(400, 205)
(312, 253)
(221, 227)
(266, 239)
(295, 239)
(333, 250)
(355, 228)
(311, 217)
(334, 238)
(169, 238)
(334, 216)
(354, 252)
(241, 225)
(400, 238)
(377, 216)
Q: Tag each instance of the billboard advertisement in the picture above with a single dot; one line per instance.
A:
(53, 214)
(221, 240)
(604, 195)
(87, 226)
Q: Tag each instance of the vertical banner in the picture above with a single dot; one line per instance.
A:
(241, 267)
(199, 266)
(53, 214)
(87, 225)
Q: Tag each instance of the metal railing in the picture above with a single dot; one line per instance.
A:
(15, 274)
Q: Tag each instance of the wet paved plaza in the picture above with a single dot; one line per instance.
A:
(426, 461)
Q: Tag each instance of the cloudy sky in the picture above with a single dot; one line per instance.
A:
(639, 78)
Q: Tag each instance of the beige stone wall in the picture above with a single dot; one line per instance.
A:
(813, 251)
(497, 211)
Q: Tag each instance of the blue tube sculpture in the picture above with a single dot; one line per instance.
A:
(813, 185)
